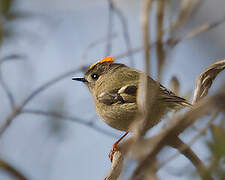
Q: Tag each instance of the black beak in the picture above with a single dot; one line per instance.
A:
(80, 79)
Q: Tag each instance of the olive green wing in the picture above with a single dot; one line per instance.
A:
(169, 97)
(122, 87)
(125, 94)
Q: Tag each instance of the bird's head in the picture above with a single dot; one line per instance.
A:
(95, 71)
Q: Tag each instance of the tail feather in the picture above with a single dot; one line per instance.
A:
(169, 97)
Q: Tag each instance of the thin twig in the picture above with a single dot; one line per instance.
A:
(125, 31)
(7, 91)
(185, 6)
(179, 125)
(159, 46)
(94, 44)
(16, 111)
(187, 152)
(146, 7)
(11, 170)
(172, 41)
(88, 124)
(196, 4)
(130, 51)
(13, 57)
(193, 140)
(200, 29)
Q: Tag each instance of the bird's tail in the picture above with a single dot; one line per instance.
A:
(185, 103)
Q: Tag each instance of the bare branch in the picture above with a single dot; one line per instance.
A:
(95, 43)
(11, 170)
(180, 124)
(7, 91)
(175, 85)
(204, 27)
(187, 152)
(89, 124)
(125, 31)
(159, 46)
(13, 57)
(193, 140)
(50, 83)
(130, 51)
(200, 29)
(116, 166)
(195, 6)
(185, 6)
(16, 111)
(145, 29)
(174, 41)
(206, 79)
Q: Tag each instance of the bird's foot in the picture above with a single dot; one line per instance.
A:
(115, 147)
(113, 150)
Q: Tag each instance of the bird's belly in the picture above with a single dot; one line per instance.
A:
(118, 116)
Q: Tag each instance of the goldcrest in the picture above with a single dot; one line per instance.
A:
(114, 88)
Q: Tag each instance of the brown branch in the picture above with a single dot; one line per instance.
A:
(185, 6)
(11, 170)
(175, 85)
(180, 124)
(159, 46)
(116, 166)
(195, 6)
(187, 152)
(200, 29)
(193, 140)
(169, 135)
(203, 28)
(145, 11)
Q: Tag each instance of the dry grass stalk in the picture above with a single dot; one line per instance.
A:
(146, 7)
(159, 45)
(185, 7)
(206, 79)
(175, 85)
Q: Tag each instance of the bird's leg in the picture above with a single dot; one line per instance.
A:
(115, 147)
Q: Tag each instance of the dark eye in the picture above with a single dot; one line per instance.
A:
(94, 76)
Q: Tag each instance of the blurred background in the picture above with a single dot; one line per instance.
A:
(41, 40)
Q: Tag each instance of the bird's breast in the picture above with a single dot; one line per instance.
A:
(118, 116)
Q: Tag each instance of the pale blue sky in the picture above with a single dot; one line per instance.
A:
(53, 39)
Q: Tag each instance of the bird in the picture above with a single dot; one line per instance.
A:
(115, 86)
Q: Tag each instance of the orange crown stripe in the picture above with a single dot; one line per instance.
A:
(106, 59)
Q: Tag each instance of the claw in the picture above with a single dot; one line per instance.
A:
(115, 147)
(113, 150)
